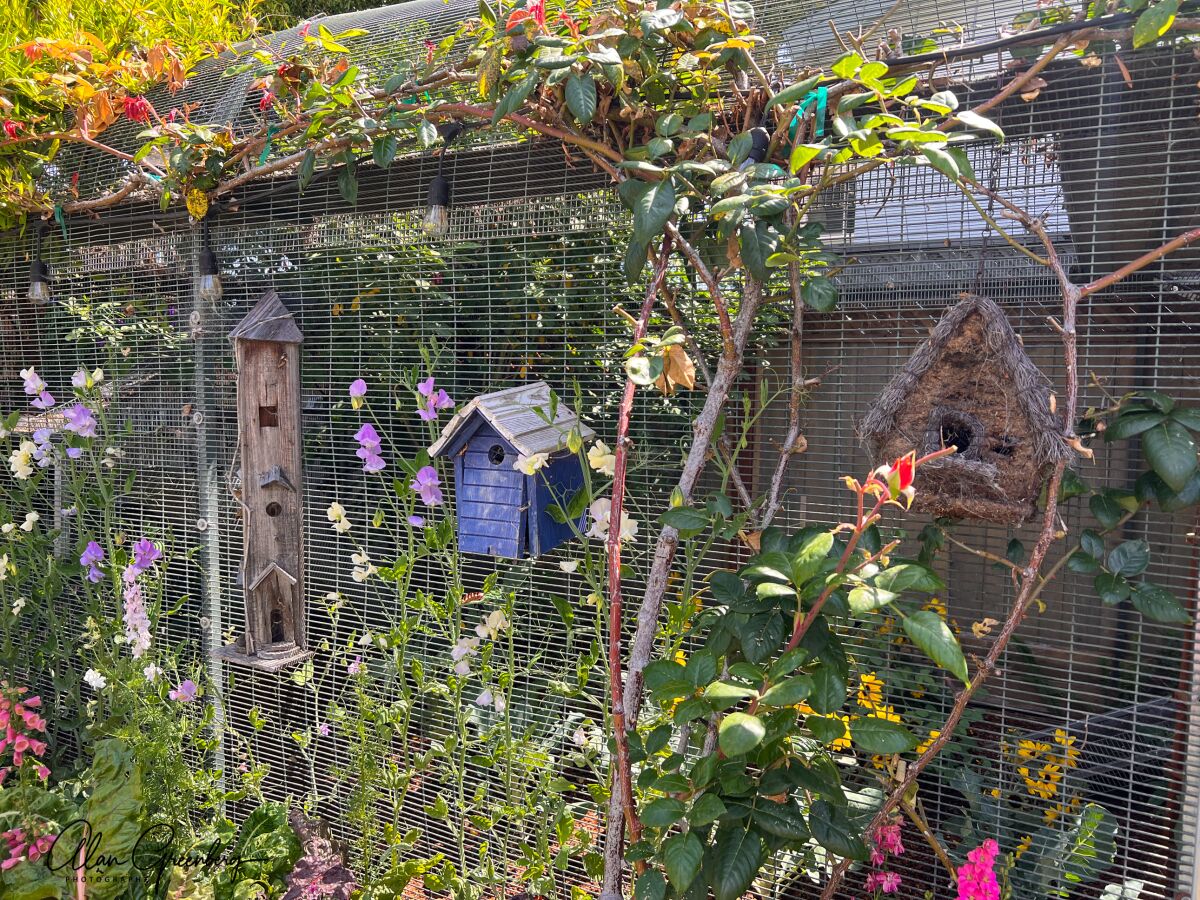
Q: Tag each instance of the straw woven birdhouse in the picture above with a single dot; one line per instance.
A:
(972, 386)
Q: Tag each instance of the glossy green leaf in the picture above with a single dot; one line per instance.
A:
(826, 729)
(682, 855)
(580, 93)
(909, 576)
(650, 885)
(1130, 424)
(722, 695)
(740, 733)
(662, 812)
(1171, 453)
(833, 830)
(1111, 589)
(708, 807)
(1159, 605)
(653, 209)
(793, 92)
(929, 631)
(1129, 558)
(867, 597)
(974, 120)
(829, 690)
(875, 735)
(738, 854)
(788, 692)
(819, 293)
(1155, 22)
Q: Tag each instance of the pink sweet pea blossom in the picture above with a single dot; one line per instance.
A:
(185, 693)
(427, 486)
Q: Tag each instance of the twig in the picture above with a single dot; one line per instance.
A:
(795, 400)
(983, 554)
(914, 815)
(1141, 262)
(622, 784)
(1008, 238)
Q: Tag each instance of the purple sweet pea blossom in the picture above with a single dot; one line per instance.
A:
(186, 692)
(81, 421)
(416, 521)
(33, 382)
(368, 452)
(358, 388)
(44, 400)
(427, 485)
(74, 452)
(92, 554)
(355, 667)
(144, 554)
(435, 400)
(424, 388)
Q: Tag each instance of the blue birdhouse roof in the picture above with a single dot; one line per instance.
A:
(514, 414)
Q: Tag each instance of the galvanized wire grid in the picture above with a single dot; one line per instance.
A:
(523, 289)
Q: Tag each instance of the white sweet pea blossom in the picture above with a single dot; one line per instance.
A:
(151, 672)
(593, 599)
(569, 565)
(362, 567)
(532, 463)
(461, 653)
(601, 509)
(18, 605)
(491, 627)
(95, 680)
(20, 461)
(602, 459)
(31, 519)
(579, 738)
(8, 528)
(337, 516)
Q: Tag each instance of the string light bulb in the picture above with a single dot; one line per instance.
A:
(437, 205)
(208, 270)
(39, 272)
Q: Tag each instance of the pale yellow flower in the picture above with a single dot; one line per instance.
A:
(531, 464)
(602, 459)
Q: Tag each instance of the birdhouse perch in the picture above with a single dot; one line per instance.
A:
(266, 345)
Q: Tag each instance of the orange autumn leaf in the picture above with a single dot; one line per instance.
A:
(678, 371)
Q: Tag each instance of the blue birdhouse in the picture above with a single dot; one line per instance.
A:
(502, 511)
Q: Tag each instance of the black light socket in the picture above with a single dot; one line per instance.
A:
(439, 191)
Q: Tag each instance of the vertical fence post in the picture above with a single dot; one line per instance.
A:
(208, 485)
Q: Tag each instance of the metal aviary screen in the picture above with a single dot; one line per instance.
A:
(1093, 703)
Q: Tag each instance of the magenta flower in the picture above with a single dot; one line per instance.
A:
(144, 554)
(358, 390)
(887, 882)
(185, 693)
(977, 876)
(424, 388)
(92, 554)
(427, 486)
(323, 729)
(81, 421)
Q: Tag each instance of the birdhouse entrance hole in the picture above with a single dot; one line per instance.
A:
(954, 428)
(276, 625)
(496, 454)
(273, 509)
(268, 417)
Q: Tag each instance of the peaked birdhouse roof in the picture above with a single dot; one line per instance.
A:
(514, 414)
(1031, 389)
(269, 320)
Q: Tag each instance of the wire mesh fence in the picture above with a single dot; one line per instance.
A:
(522, 288)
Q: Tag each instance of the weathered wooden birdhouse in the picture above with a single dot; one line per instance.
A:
(500, 510)
(972, 386)
(266, 345)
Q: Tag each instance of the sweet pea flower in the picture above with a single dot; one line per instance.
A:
(20, 461)
(531, 464)
(368, 451)
(358, 390)
(145, 553)
(436, 400)
(600, 510)
(43, 401)
(92, 555)
(81, 421)
(33, 382)
(569, 565)
(323, 729)
(491, 627)
(185, 693)
(602, 459)
(95, 680)
(355, 667)
(427, 486)
(416, 521)
(336, 513)
(31, 519)
(151, 672)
